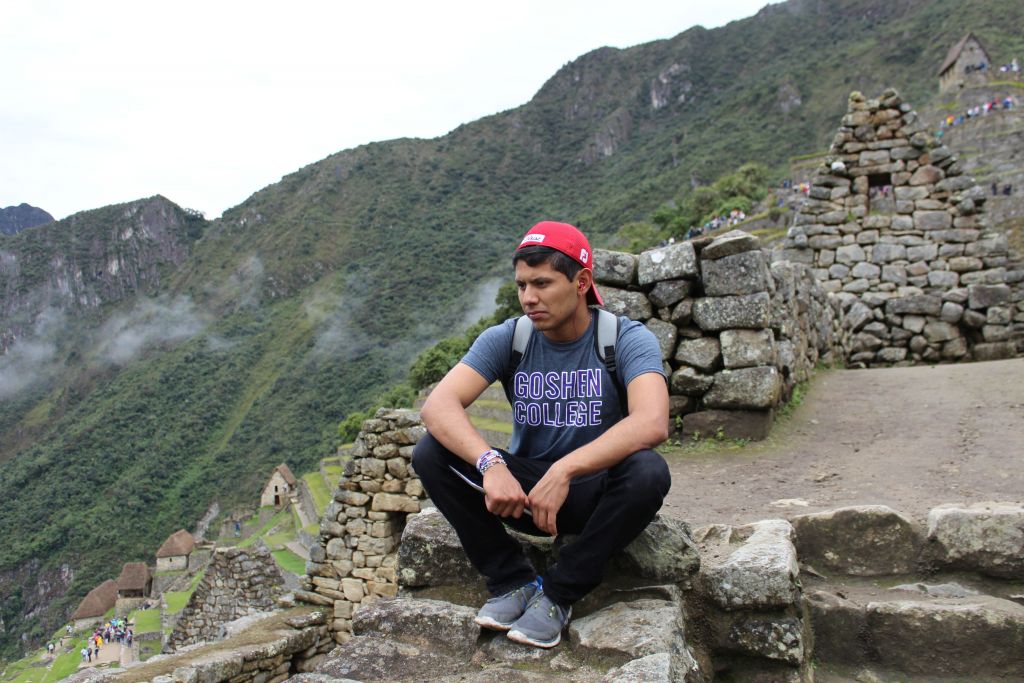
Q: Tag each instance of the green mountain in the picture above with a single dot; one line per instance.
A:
(156, 362)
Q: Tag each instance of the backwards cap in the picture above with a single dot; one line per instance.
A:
(568, 240)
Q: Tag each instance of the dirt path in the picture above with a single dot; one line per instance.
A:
(909, 438)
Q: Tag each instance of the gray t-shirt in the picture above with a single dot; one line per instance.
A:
(562, 395)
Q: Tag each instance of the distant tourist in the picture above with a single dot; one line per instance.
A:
(85, 653)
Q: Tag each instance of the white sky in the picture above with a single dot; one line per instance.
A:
(208, 101)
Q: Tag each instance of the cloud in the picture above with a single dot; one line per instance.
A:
(31, 359)
(124, 336)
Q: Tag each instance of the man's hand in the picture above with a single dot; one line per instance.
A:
(546, 499)
(502, 493)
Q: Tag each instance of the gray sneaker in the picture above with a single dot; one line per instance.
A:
(501, 612)
(541, 624)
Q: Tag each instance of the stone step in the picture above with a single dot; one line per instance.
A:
(945, 632)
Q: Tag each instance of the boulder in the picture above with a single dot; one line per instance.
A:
(752, 311)
(440, 626)
(747, 348)
(372, 658)
(674, 262)
(430, 553)
(862, 540)
(628, 630)
(614, 268)
(984, 537)
(745, 388)
(743, 273)
(760, 570)
(663, 552)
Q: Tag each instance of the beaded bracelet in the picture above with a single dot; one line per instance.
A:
(488, 460)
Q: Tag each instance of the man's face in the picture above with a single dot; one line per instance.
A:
(549, 298)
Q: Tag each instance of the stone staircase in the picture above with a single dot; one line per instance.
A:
(859, 594)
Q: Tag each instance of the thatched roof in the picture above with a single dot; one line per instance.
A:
(98, 601)
(179, 543)
(134, 577)
(954, 52)
(287, 474)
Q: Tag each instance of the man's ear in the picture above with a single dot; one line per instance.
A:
(584, 279)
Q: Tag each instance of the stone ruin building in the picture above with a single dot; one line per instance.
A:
(966, 63)
(898, 233)
(238, 582)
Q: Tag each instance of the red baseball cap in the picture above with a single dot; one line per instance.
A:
(568, 240)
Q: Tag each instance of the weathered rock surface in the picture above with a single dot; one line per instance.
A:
(714, 314)
(428, 623)
(864, 540)
(984, 537)
(750, 567)
(674, 262)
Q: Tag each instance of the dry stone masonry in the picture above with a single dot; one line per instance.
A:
(736, 334)
(237, 583)
(355, 561)
(898, 233)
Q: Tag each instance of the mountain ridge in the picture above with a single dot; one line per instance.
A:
(312, 296)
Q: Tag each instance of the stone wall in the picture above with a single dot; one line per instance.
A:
(354, 562)
(238, 582)
(898, 233)
(736, 334)
(269, 650)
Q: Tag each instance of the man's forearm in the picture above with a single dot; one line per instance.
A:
(448, 422)
(633, 433)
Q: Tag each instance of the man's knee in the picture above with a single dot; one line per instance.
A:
(646, 473)
(428, 456)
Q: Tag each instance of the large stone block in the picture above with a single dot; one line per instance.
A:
(732, 242)
(932, 220)
(983, 296)
(430, 553)
(664, 551)
(919, 304)
(666, 335)
(984, 537)
(703, 354)
(747, 348)
(759, 569)
(668, 292)
(744, 273)
(633, 305)
(674, 262)
(863, 540)
(730, 424)
(717, 313)
(614, 268)
(745, 388)
(690, 382)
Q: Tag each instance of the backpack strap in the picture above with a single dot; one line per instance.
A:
(607, 335)
(520, 338)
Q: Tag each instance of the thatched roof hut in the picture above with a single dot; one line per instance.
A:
(134, 581)
(97, 601)
(177, 544)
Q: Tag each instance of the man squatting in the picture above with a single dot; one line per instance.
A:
(577, 464)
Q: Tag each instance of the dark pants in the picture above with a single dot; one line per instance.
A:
(607, 511)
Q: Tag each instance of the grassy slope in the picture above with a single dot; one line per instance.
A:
(324, 285)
